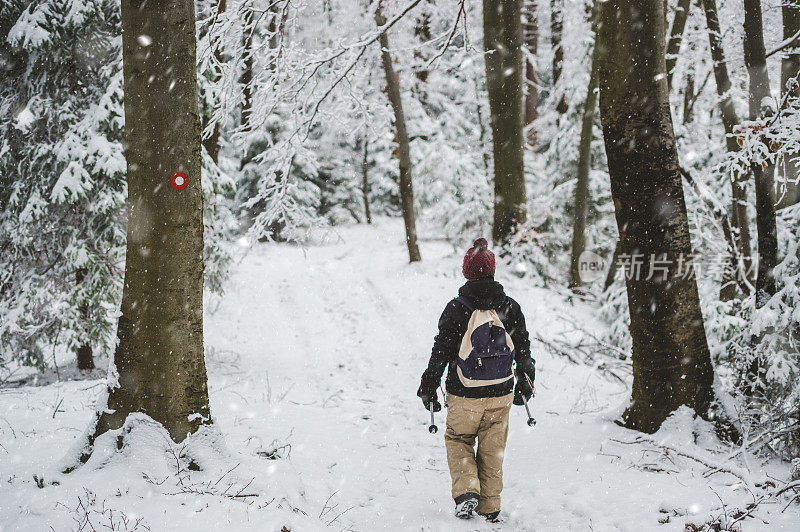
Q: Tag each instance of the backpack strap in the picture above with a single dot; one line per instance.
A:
(464, 301)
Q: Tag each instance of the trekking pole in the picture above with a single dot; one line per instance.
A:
(531, 421)
(433, 429)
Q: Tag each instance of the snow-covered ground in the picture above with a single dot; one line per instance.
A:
(314, 356)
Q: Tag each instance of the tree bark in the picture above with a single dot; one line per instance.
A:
(756, 61)
(581, 202)
(790, 67)
(729, 122)
(159, 358)
(365, 181)
(403, 149)
(556, 34)
(671, 361)
(502, 30)
(676, 36)
(530, 32)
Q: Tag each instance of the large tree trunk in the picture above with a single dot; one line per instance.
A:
(502, 31)
(756, 61)
(530, 32)
(556, 34)
(790, 67)
(676, 36)
(584, 166)
(671, 361)
(729, 122)
(159, 358)
(403, 149)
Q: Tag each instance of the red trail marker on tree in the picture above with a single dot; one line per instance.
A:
(179, 181)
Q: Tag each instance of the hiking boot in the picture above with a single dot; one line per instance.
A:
(493, 517)
(465, 505)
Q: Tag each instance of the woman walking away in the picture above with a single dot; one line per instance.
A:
(483, 342)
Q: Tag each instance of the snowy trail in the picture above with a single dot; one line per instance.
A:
(322, 349)
(365, 320)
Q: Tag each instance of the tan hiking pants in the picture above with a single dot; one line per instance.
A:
(486, 419)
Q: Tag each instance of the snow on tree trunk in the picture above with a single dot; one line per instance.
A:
(502, 30)
(790, 67)
(584, 166)
(246, 78)
(530, 32)
(671, 360)
(556, 34)
(761, 106)
(159, 361)
(676, 36)
(729, 121)
(403, 149)
(211, 142)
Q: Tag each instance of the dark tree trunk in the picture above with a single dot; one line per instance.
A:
(671, 361)
(688, 96)
(211, 142)
(756, 61)
(277, 22)
(530, 31)
(613, 266)
(403, 149)
(365, 181)
(676, 36)
(729, 121)
(502, 31)
(159, 358)
(422, 30)
(85, 358)
(556, 34)
(482, 134)
(246, 78)
(584, 166)
(790, 67)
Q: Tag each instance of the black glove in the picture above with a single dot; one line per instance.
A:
(526, 374)
(429, 397)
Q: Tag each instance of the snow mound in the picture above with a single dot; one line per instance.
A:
(140, 462)
(684, 428)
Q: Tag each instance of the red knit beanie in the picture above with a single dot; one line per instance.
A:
(479, 261)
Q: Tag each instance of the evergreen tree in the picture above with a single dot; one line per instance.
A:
(62, 180)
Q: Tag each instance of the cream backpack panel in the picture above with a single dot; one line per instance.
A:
(486, 355)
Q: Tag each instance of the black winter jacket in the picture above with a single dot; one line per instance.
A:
(485, 294)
